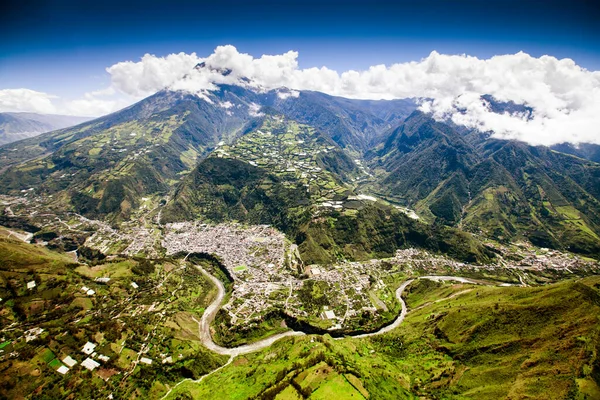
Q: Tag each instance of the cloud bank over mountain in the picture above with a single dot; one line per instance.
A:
(93, 104)
(21, 100)
(564, 98)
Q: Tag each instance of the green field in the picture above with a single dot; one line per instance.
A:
(458, 341)
(483, 343)
(117, 318)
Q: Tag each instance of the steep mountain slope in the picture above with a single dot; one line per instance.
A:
(506, 189)
(353, 124)
(291, 176)
(420, 154)
(280, 169)
(105, 166)
(18, 126)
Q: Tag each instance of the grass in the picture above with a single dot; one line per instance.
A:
(589, 388)
(510, 339)
(18, 256)
(485, 343)
(112, 270)
(337, 387)
(84, 303)
(69, 319)
(289, 393)
(55, 364)
(569, 211)
(126, 357)
(47, 355)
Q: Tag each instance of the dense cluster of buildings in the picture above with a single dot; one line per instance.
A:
(255, 256)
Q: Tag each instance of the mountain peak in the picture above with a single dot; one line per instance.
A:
(223, 71)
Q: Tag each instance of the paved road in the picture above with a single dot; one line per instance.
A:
(211, 311)
(209, 316)
(404, 311)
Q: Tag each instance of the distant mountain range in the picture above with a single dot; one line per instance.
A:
(17, 126)
(295, 158)
(588, 151)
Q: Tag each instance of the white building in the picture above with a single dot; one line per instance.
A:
(146, 360)
(31, 285)
(62, 370)
(69, 361)
(88, 348)
(90, 364)
(33, 333)
(134, 285)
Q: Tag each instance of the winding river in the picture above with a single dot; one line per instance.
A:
(211, 311)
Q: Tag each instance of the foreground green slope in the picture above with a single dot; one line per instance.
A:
(44, 324)
(479, 343)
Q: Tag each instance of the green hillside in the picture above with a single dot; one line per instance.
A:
(266, 176)
(288, 175)
(504, 189)
(484, 343)
(69, 306)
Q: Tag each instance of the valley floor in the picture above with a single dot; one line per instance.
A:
(230, 311)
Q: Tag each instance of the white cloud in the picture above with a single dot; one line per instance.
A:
(254, 110)
(93, 107)
(564, 96)
(151, 73)
(92, 104)
(284, 94)
(21, 100)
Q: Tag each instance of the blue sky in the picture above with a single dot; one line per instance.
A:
(62, 47)
(54, 55)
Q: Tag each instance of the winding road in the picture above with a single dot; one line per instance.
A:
(211, 311)
(209, 316)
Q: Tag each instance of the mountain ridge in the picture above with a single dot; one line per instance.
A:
(15, 126)
(508, 188)
(502, 189)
